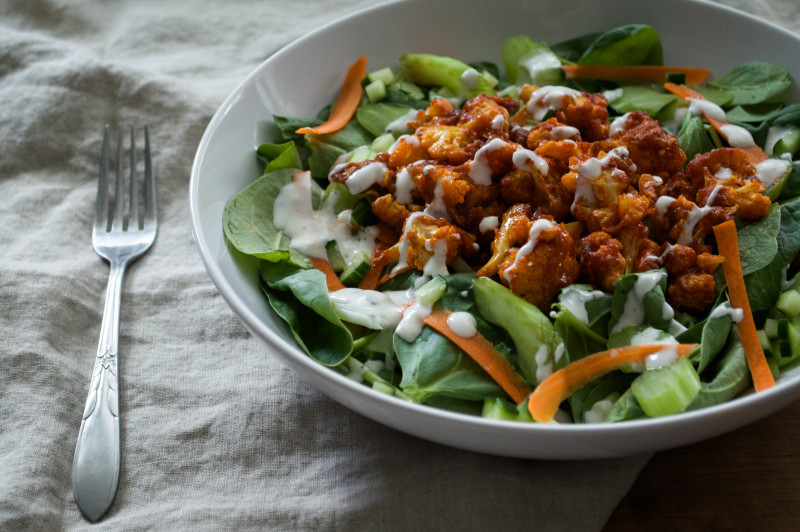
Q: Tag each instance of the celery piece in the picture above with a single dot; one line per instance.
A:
(540, 349)
(432, 291)
(667, 390)
(788, 143)
(502, 409)
(363, 153)
(439, 71)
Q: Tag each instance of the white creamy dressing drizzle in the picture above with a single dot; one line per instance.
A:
(544, 366)
(598, 412)
(724, 173)
(591, 169)
(488, 223)
(619, 124)
(470, 79)
(737, 136)
(771, 171)
(479, 170)
(462, 324)
(539, 63)
(400, 125)
(633, 311)
(403, 186)
(310, 230)
(699, 106)
(410, 140)
(436, 208)
(549, 97)
(575, 299)
(735, 314)
(370, 308)
(498, 122)
(536, 229)
(695, 215)
(363, 178)
(774, 134)
(522, 156)
(661, 358)
(563, 132)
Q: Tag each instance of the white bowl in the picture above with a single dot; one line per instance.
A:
(305, 76)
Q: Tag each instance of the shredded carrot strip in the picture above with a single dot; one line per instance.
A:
(755, 155)
(483, 352)
(728, 245)
(641, 73)
(346, 103)
(548, 395)
(331, 279)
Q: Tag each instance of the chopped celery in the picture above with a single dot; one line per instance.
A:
(432, 291)
(667, 390)
(439, 71)
(361, 154)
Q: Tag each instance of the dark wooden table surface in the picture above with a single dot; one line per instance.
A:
(747, 480)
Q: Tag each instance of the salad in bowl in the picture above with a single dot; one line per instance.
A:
(580, 234)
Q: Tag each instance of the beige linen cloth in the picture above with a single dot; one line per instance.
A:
(216, 433)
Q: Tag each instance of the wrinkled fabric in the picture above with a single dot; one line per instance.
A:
(215, 432)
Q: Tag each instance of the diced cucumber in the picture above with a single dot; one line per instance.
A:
(787, 347)
(362, 214)
(432, 291)
(771, 328)
(385, 75)
(382, 143)
(375, 91)
(667, 390)
(788, 143)
(335, 258)
(789, 303)
(356, 269)
(499, 408)
(763, 339)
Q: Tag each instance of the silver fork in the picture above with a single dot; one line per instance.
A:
(95, 467)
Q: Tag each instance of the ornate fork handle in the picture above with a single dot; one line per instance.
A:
(95, 467)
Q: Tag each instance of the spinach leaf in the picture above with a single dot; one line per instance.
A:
(638, 299)
(758, 241)
(300, 297)
(625, 408)
(789, 234)
(693, 136)
(579, 339)
(375, 117)
(571, 50)
(713, 339)
(791, 185)
(287, 126)
(717, 96)
(247, 220)
(633, 44)
(727, 378)
(787, 116)
(325, 149)
(764, 286)
(609, 386)
(646, 99)
(433, 365)
(754, 82)
(279, 156)
(753, 113)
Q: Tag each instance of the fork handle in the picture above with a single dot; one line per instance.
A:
(95, 467)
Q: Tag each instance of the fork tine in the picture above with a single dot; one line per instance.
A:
(133, 212)
(150, 210)
(101, 203)
(116, 224)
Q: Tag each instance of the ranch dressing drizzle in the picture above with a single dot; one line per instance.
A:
(479, 170)
(401, 124)
(736, 314)
(536, 229)
(549, 97)
(737, 136)
(363, 178)
(310, 230)
(591, 169)
(575, 299)
(695, 215)
(771, 171)
(633, 311)
(521, 157)
(462, 324)
(664, 357)
(774, 134)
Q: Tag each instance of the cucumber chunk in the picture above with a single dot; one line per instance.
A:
(376, 91)
(384, 74)
(335, 258)
(789, 303)
(356, 269)
(667, 390)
